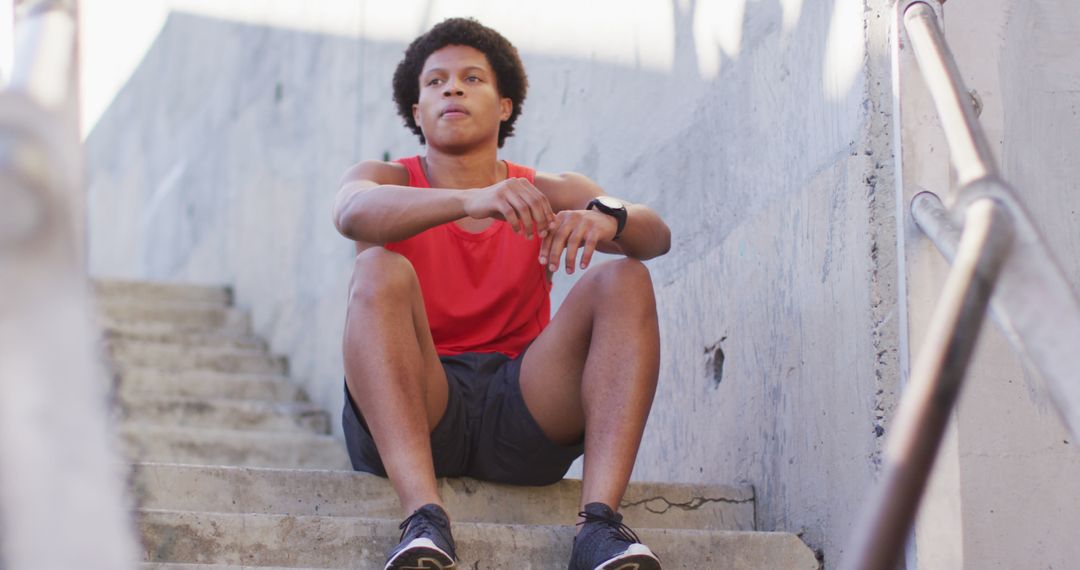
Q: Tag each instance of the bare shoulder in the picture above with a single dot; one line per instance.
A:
(378, 172)
(567, 190)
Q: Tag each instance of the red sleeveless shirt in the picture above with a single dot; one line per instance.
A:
(485, 291)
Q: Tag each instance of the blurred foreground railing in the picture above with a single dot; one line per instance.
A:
(62, 503)
(998, 259)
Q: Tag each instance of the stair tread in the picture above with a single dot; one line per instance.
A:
(339, 542)
(111, 288)
(207, 446)
(212, 384)
(224, 413)
(349, 493)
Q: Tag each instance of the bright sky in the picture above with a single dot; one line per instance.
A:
(637, 33)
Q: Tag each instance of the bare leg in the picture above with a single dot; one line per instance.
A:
(594, 370)
(393, 372)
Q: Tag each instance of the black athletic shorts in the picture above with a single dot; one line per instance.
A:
(486, 433)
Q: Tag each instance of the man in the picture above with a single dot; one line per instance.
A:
(452, 367)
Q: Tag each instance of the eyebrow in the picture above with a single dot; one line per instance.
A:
(442, 70)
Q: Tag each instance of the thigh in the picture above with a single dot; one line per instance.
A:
(553, 365)
(387, 334)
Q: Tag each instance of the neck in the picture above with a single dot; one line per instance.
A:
(474, 169)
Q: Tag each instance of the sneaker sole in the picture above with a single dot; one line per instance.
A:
(637, 557)
(421, 558)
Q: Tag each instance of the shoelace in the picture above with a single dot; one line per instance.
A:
(621, 529)
(417, 516)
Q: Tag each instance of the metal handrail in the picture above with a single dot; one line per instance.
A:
(61, 482)
(998, 257)
(968, 148)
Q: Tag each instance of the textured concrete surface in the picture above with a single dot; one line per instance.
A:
(169, 357)
(225, 413)
(136, 382)
(207, 505)
(142, 442)
(340, 542)
(177, 317)
(342, 493)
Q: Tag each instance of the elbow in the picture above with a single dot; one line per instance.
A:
(349, 221)
(663, 242)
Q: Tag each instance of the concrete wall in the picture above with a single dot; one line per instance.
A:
(759, 130)
(1019, 468)
(1007, 490)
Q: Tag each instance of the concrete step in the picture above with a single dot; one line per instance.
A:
(181, 566)
(351, 542)
(347, 493)
(150, 291)
(197, 446)
(225, 414)
(172, 357)
(206, 339)
(135, 382)
(158, 318)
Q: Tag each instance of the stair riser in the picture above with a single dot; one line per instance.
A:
(133, 383)
(174, 319)
(212, 447)
(186, 341)
(143, 292)
(327, 493)
(168, 358)
(339, 542)
(226, 415)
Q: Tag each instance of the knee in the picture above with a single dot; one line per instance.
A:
(380, 275)
(622, 275)
(622, 281)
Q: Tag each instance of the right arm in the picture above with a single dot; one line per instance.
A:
(376, 206)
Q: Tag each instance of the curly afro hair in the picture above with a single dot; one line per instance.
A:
(501, 54)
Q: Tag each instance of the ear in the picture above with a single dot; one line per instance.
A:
(416, 113)
(506, 106)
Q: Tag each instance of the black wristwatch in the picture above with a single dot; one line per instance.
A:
(613, 208)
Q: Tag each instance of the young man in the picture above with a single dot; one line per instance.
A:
(452, 367)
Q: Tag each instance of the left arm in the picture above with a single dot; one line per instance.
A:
(576, 229)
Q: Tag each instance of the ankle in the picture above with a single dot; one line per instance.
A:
(415, 505)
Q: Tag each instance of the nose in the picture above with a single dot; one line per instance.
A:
(452, 88)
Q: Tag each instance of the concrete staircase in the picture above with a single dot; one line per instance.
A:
(233, 467)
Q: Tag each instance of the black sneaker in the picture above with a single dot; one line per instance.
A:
(605, 543)
(426, 542)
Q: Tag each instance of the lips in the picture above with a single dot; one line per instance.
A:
(454, 110)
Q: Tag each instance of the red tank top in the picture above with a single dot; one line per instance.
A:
(484, 292)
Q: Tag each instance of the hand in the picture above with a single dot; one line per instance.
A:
(516, 201)
(574, 230)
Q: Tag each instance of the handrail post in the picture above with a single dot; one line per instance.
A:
(935, 382)
(62, 484)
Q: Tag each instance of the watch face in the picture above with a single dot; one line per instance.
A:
(610, 202)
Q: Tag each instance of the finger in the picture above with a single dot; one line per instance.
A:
(545, 204)
(510, 217)
(590, 248)
(558, 243)
(535, 202)
(572, 245)
(528, 225)
(545, 246)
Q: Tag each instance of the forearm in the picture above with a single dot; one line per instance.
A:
(383, 214)
(645, 235)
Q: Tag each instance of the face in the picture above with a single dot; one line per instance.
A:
(459, 104)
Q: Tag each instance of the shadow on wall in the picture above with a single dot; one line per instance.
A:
(219, 159)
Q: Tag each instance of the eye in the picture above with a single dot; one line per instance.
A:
(473, 78)
(434, 81)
